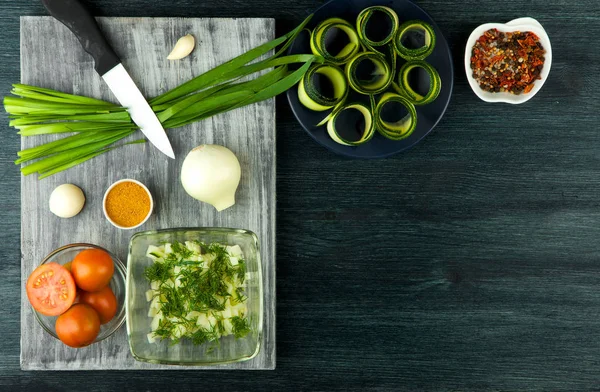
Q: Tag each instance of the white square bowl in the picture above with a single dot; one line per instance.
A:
(521, 24)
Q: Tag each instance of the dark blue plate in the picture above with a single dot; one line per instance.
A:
(427, 115)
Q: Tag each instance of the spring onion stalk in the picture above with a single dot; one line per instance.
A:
(97, 126)
(67, 143)
(215, 75)
(54, 159)
(58, 168)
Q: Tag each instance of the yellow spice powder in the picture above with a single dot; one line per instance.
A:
(127, 204)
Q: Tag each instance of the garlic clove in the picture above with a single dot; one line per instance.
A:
(182, 48)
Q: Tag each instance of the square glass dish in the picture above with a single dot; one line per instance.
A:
(229, 349)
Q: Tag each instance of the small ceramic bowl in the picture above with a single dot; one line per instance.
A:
(109, 218)
(521, 24)
(66, 254)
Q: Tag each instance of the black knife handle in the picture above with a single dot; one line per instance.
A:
(78, 19)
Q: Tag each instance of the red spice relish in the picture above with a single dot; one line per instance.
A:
(507, 62)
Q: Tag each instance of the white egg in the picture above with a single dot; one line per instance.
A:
(66, 201)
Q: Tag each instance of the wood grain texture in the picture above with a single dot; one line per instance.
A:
(143, 44)
(468, 263)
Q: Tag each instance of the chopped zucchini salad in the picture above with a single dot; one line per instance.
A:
(196, 292)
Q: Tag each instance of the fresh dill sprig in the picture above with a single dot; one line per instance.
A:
(203, 335)
(221, 264)
(190, 262)
(202, 245)
(239, 295)
(165, 329)
(181, 249)
(174, 303)
(159, 271)
(220, 325)
(201, 289)
(187, 288)
(241, 270)
(241, 327)
(172, 258)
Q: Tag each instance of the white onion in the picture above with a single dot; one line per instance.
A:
(211, 173)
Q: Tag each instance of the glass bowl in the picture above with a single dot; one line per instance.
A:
(66, 254)
(185, 352)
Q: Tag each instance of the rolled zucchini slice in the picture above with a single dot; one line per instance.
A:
(352, 125)
(335, 40)
(415, 33)
(369, 73)
(377, 26)
(435, 82)
(322, 87)
(390, 105)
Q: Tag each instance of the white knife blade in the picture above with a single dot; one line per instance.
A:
(80, 21)
(131, 98)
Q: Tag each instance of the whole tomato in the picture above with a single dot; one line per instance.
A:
(104, 302)
(92, 269)
(79, 326)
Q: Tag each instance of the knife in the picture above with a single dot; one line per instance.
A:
(78, 19)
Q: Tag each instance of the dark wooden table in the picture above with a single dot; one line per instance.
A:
(471, 262)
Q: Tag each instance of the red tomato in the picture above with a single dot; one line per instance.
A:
(78, 326)
(51, 289)
(104, 302)
(92, 269)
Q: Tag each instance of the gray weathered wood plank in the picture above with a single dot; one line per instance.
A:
(51, 57)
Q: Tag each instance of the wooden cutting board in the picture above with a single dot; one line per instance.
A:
(52, 57)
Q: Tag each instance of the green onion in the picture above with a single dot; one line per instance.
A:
(66, 127)
(55, 158)
(66, 143)
(45, 94)
(98, 126)
(215, 75)
(58, 168)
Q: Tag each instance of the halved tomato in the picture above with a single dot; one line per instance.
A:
(51, 289)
